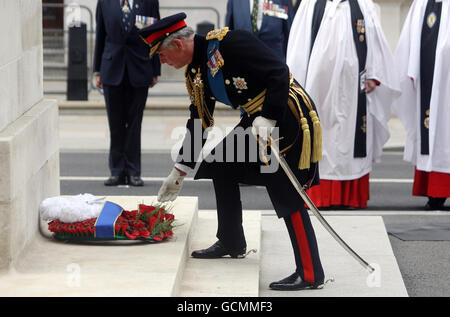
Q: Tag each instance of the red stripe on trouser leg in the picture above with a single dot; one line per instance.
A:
(302, 242)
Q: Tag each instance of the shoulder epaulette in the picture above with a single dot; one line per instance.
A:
(217, 34)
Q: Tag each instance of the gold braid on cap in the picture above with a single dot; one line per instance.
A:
(196, 92)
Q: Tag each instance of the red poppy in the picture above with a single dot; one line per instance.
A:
(130, 214)
(169, 216)
(152, 222)
(133, 235)
(132, 224)
(146, 209)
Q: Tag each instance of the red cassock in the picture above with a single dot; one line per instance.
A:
(431, 184)
(350, 193)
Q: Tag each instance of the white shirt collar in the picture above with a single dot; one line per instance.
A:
(129, 1)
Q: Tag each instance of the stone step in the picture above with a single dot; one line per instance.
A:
(173, 93)
(54, 55)
(365, 234)
(50, 268)
(53, 41)
(55, 67)
(118, 268)
(224, 277)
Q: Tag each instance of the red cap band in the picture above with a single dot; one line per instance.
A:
(169, 30)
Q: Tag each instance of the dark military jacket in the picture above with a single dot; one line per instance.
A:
(248, 70)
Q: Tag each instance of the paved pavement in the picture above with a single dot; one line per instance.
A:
(164, 120)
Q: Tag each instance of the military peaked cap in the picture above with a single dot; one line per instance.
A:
(154, 34)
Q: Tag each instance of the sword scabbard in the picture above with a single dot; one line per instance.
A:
(313, 208)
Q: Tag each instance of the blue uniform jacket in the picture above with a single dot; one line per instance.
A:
(117, 50)
(274, 31)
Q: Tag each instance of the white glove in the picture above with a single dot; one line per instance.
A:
(263, 127)
(171, 186)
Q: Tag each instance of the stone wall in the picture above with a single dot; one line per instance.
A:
(20, 58)
(29, 152)
(392, 15)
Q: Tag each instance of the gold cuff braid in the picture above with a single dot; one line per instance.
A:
(255, 105)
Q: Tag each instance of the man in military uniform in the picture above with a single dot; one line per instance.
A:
(236, 69)
(125, 72)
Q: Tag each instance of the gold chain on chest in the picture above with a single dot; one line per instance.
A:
(195, 88)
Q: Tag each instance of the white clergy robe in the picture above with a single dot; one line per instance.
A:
(407, 107)
(329, 72)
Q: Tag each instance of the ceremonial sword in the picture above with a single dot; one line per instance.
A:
(301, 190)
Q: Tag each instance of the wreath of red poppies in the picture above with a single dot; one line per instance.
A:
(147, 223)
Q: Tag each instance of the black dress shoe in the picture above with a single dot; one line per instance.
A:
(294, 283)
(435, 203)
(135, 181)
(114, 181)
(217, 250)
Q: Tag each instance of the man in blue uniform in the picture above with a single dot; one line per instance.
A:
(270, 21)
(125, 72)
(234, 67)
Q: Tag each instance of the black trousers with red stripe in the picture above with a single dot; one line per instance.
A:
(304, 244)
(230, 230)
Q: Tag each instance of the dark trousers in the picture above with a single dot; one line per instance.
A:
(231, 233)
(125, 106)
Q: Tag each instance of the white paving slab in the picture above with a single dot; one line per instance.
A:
(364, 234)
(226, 276)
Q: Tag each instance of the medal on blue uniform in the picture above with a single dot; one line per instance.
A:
(275, 10)
(215, 60)
(144, 21)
